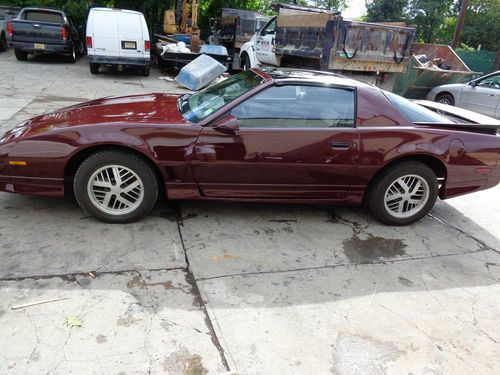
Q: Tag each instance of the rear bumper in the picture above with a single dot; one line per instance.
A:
(124, 61)
(49, 48)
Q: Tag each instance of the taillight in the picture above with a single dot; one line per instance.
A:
(64, 33)
(10, 31)
(89, 42)
(147, 45)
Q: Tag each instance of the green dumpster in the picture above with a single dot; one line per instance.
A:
(418, 79)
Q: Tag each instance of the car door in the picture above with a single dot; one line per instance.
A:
(482, 96)
(291, 141)
(264, 46)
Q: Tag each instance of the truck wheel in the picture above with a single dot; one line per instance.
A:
(72, 55)
(20, 55)
(402, 194)
(246, 62)
(3, 42)
(445, 99)
(116, 187)
(145, 71)
(94, 68)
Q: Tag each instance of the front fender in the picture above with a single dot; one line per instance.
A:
(249, 49)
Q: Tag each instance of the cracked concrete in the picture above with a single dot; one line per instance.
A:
(225, 288)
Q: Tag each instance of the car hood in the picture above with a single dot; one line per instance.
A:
(146, 108)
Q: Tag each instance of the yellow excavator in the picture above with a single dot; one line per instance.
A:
(183, 19)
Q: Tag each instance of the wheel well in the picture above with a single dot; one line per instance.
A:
(77, 159)
(432, 162)
(444, 93)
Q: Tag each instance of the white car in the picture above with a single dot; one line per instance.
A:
(480, 95)
(117, 38)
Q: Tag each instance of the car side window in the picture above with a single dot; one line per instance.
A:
(295, 106)
(491, 82)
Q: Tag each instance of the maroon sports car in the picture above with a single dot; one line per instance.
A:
(272, 135)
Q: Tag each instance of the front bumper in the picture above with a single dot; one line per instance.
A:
(123, 61)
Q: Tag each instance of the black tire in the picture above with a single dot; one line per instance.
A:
(375, 199)
(21, 55)
(94, 68)
(89, 199)
(72, 55)
(445, 98)
(3, 42)
(246, 62)
(145, 71)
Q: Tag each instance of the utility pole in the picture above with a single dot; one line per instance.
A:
(460, 23)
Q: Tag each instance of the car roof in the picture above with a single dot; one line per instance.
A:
(310, 76)
(102, 9)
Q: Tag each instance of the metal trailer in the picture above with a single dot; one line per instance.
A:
(419, 79)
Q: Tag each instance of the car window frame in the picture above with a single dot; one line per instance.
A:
(227, 111)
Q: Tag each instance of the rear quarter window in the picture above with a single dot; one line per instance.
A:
(414, 112)
(43, 16)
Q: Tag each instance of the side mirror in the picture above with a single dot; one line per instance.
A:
(227, 125)
(473, 83)
(212, 24)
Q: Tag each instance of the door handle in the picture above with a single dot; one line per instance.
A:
(341, 145)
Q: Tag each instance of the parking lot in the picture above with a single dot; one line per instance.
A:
(216, 288)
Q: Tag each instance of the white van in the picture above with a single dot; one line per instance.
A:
(117, 38)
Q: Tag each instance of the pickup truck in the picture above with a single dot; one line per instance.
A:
(44, 31)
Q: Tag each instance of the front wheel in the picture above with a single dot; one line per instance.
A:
(116, 187)
(446, 99)
(247, 65)
(403, 193)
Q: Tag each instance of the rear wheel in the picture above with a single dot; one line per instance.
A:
(445, 99)
(3, 42)
(145, 71)
(403, 193)
(72, 55)
(94, 68)
(116, 187)
(20, 55)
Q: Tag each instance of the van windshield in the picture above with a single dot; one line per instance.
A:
(200, 105)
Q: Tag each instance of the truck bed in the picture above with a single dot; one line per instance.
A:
(345, 45)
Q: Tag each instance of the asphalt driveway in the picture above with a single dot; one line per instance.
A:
(215, 288)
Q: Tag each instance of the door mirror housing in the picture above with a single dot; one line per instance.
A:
(227, 125)
(473, 83)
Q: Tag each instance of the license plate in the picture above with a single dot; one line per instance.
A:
(39, 46)
(129, 45)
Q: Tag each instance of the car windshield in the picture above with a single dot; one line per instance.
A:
(414, 112)
(200, 105)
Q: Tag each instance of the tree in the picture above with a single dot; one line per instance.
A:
(428, 16)
(386, 10)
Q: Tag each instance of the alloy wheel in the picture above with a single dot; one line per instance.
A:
(406, 196)
(115, 190)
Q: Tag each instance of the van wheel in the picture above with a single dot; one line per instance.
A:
(3, 42)
(145, 72)
(94, 68)
(21, 55)
(116, 187)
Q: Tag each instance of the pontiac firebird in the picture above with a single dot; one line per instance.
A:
(271, 135)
